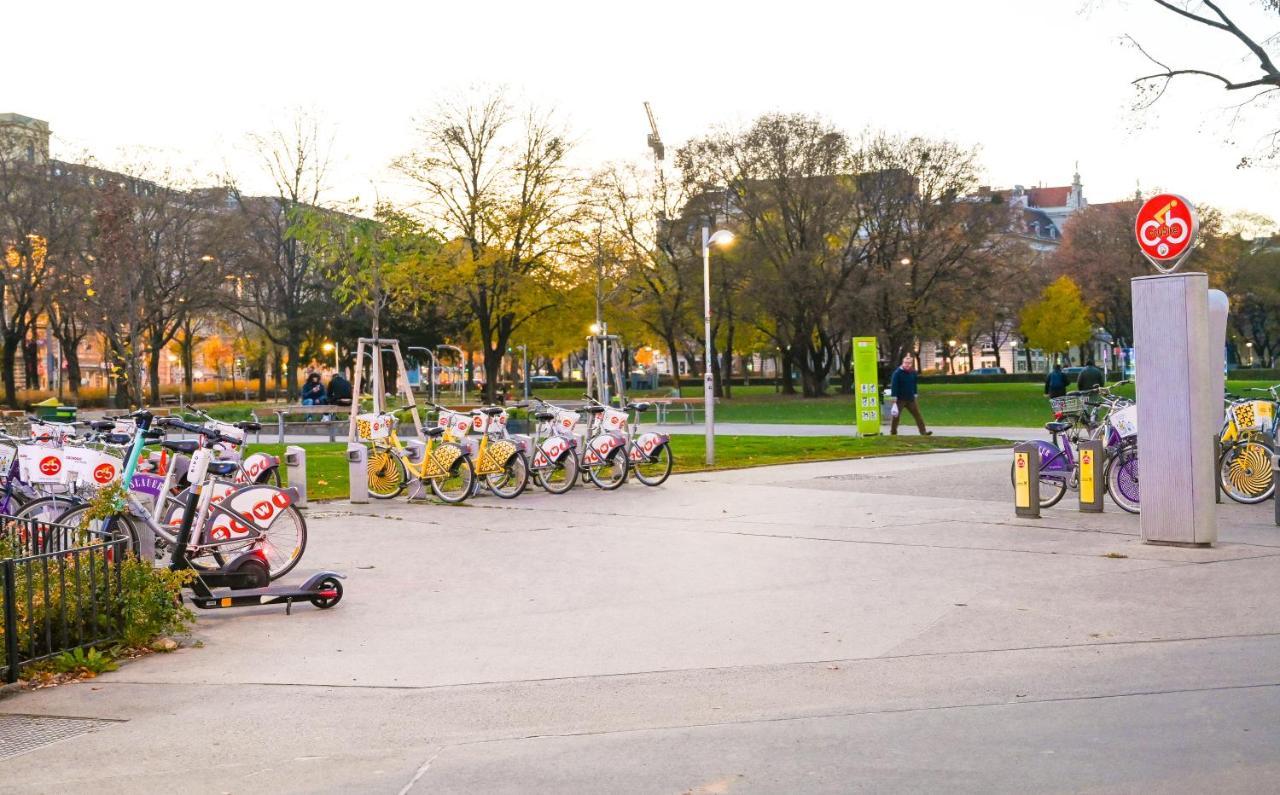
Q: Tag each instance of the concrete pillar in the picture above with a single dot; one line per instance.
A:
(295, 461)
(1026, 480)
(1176, 401)
(358, 471)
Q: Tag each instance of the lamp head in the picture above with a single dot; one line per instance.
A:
(327, 347)
(722, 237)
(594, 328)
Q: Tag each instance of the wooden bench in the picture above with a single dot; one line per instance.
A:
(331, 411)
(689, 407)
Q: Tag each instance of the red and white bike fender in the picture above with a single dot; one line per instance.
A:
(552, 449)
(642, 449)
(254, 466)
(247, 509)
(599, 448)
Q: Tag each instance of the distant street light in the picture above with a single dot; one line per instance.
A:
(904, 261)
(722, 237)
(330, 347)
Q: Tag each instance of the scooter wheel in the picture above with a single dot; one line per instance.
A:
(332, 586)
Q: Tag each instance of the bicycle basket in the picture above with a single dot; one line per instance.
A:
(1125, 421)
(458, 424)
(374, 426)
(1067, 404)
(1255, 415)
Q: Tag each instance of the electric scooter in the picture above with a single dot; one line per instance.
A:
(244, 580)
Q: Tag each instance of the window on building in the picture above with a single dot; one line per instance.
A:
(31, 153)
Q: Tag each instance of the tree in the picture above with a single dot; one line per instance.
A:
(504, 189)
(923, 238)
(786, 181)
(1098, 253)
(278, 286)
(1059, 319)
(1250, 50)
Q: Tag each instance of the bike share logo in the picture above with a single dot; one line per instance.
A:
(104, 473)
(50, 465)
(1166, 230)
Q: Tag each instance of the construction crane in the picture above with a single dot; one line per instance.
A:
(655, 140)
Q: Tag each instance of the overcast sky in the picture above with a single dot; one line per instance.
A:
(1037, 84)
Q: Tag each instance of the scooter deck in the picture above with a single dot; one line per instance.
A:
(213, 598)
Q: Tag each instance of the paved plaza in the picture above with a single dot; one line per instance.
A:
(875, 625)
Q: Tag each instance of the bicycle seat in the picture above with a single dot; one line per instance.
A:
(594, 409)
(641, 406)
(492, 411)
(102, 425)
(117, 438)
(186, 448)
(1057, 427)
(223, 468)
(434, 431)
(249, 426)
(543, 416)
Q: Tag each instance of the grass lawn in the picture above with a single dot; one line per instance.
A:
(327, 464)
(1016, 405)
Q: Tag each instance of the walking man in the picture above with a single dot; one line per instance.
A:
(903, 387)
(1055, 383)
(1091, 377)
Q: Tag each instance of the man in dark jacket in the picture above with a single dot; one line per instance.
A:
(339, 391)
(1091, 377)
(902, 385)
(1055, 383)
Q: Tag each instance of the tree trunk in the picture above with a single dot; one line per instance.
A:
(673, 361)
(9, 362)
(31, 362)
(293, 351)
(262, 376)
(788, 382)
(71, 355)
(277, 368)
(153, 373)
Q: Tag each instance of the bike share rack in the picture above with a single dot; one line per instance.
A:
(1275, 473)
(295, 461)
(358, 471)
(1026, 480)
(416, 450)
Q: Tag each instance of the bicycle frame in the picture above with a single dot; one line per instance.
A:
(437, 459)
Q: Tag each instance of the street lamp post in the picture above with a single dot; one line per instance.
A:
(721, 237)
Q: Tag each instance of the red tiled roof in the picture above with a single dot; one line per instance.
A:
(1048, 197)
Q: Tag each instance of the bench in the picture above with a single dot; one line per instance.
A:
(331, 412)
(689, 407)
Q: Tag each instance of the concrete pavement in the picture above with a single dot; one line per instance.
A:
(863, 625)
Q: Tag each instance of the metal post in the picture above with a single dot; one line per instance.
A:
(10, 621)
(708, 380)
(1217, 468)
(1026, 480)
(1275, 478)
(358, 471)
(524, 349)
(1092, 457)
(295, 461)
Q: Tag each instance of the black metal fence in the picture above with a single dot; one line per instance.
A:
(60, 588)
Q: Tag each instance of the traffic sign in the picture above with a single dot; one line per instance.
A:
(1166, 229)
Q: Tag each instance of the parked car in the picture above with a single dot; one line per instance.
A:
(544, 380)
(1072, 372)
(987, 371)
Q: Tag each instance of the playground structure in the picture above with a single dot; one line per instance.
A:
(375, 348)
(605, 375)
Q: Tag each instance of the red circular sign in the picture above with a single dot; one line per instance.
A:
(103, 473)
(51, 465)
(1166, 229)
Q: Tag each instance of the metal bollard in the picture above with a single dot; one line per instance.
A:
(280, 425)
(1026, 480)
(358, 471)
(295, 461)
(1092, 457)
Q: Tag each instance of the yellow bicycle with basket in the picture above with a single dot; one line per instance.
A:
(445, 465)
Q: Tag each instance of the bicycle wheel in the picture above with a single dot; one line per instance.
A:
(511, 481)
(1122, 478)
(1244, 471)
(269, 476)
(120, 525)
(1052, 489)
(655, 468)
(283, 542)
(387, 477)
(560, 476)
(49, 510)
(456, 486)
(612, 473)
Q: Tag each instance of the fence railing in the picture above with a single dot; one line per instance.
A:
(60, 591)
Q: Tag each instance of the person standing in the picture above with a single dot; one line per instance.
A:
(902, 385)
(1055, 383)
(1091, 377)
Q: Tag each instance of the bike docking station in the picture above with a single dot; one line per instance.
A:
(1026, 480)
(1093, 455)
(1275, 473)
(357, 451)
(295, 462)
(1179, 330)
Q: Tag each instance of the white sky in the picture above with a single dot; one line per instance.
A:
(1038, 84)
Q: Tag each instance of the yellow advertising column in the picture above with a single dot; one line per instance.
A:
(866, 385)
(1026, 480)
(1092, 457)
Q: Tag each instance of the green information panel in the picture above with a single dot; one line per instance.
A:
(865, 385)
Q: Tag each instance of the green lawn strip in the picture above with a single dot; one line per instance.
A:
(327, 463)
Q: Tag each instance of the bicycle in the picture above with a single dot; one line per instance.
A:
(257, 517)
(445, 465)
(499, 461)
(1248, 437)
(554, 465)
